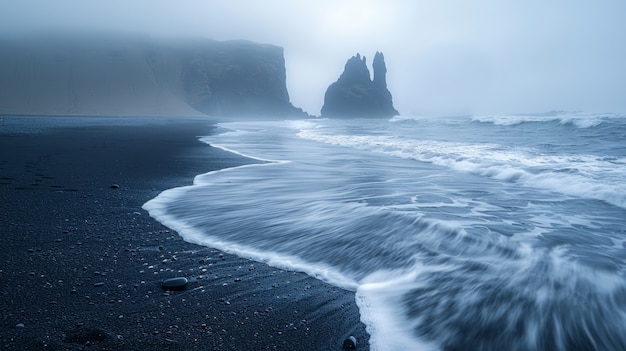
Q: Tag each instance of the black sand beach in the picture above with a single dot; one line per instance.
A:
(81, 262)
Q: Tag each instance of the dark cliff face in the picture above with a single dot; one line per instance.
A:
(235, 78)
(354, 94)
(108, 74)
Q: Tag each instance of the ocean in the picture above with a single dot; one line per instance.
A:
(455, 233)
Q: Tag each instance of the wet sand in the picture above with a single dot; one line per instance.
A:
(81, 263)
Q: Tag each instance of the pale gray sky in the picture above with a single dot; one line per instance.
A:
(443, 56)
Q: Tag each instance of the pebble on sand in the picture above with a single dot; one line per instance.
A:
(178, 283)
(19, 325)
(115, 186)
(349, 343)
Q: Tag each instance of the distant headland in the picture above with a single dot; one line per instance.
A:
(354, 94)
(130, 74)
(125, 74)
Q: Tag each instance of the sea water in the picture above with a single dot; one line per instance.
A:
(456, 233)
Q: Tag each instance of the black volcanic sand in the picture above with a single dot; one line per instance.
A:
(81, 263)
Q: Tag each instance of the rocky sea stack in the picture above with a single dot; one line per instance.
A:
(354, 94)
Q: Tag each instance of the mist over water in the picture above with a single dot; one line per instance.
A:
(463, 233)
(444, 57)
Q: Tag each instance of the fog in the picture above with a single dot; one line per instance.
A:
(443, 57)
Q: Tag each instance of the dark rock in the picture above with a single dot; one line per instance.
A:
(237, 78)
(354, 94)
(178, 283)
(144, 76)
(115, 186)
(349, 343)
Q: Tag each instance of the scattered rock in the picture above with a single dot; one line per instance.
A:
(349, 343)
(115, 186)
(98, 284)
(19, 325)
(178, 283)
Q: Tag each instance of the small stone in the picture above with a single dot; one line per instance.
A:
(178, 283)
(115, 186)
(98, 284)
(349, 343)
(19, 325)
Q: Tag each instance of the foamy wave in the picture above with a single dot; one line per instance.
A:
(564, 118)
(429, 306)
(586, 176)
(473, 247)
(379, 299)
(160, 208)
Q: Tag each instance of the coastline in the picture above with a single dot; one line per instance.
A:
(82, 262)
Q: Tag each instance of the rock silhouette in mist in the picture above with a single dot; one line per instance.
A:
(125, 74)
(354, 94)
(237, 78)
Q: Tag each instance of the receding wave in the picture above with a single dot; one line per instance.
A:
(448, 242)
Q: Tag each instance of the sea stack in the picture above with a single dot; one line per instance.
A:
(354, 94)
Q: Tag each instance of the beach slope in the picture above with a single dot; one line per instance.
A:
(82, 263)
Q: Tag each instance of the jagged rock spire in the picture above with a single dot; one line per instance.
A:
(356, 70)
(380, 70)
(354, 94)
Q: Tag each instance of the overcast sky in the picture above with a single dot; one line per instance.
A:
(443, 56)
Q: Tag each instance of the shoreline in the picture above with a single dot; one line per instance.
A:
(82, 261)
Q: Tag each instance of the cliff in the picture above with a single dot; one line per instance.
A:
(354, 94)
(128, 74)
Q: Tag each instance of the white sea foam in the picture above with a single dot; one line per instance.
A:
(537, 281)
(158, 208)
(577, 119)
(477, 236)
(241, 154)
(581, 175)
(379, 299)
